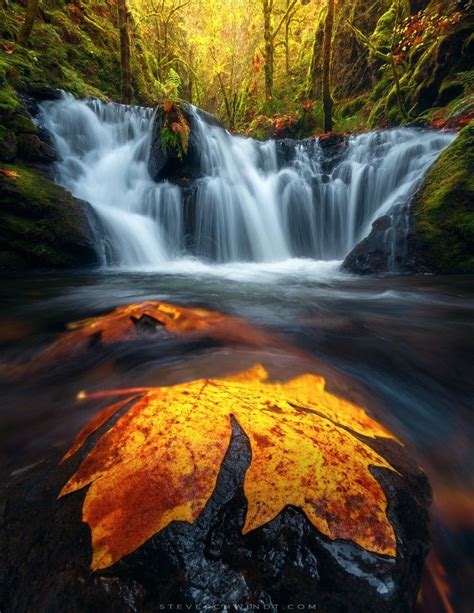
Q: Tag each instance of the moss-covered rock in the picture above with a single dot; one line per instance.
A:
(41, 225)
(443, 210)
(8, 145)
(32, 149)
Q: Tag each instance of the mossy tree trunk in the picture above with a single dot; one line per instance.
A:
(123, 16)
(315, 72)
(268, 38)
(326, 77)
(31, 12)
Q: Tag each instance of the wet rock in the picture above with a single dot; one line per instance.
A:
(42, 225)
(45, 550)
(285, 151)
(387, 249)
(372, 255)
(333, 147)
(165, 162)
(32, 149)
(43, 92)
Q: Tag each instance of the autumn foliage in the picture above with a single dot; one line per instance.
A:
(417, 30)
(123, 324)
(161, 459)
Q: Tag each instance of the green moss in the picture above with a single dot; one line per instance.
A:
(8, 101)
(383, 33)
(444, 209)
(40, 223)
(8, 145)
(21, 123)
(73, 46)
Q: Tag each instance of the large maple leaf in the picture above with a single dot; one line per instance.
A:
(160, 461)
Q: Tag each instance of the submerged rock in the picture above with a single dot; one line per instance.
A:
(45, 553)
(165, 163)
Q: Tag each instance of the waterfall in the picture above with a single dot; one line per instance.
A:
(248, 204)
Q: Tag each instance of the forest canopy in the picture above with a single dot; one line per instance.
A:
(267, 68)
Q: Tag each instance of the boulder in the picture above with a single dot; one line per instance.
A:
(371, 255)
(384, 250)
(32, 149)
(333, 147)
(41, 224)
(165, 163)
(442, 212)
(45, 550)
(435, 231)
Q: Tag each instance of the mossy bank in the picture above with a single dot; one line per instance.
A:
(41, 225)
(73, 46)
(443, 210)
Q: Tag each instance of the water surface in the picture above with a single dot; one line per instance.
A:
(401, 346)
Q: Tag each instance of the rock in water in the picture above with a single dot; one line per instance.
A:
(42, 225)
(443, 211)
(378, 252)
(434, 232)
(46, 552)
(165, 163)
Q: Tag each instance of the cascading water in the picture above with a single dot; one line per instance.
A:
(247, 205)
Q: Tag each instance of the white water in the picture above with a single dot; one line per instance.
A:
(248, 206)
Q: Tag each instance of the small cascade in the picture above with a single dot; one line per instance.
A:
(248, 205)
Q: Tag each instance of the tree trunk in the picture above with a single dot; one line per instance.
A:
(268, 37)
(125, 67)
(287, 40)
(326, 80)
(31, 12)
(315, 73)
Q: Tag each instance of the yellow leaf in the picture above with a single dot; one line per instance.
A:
(160, 461)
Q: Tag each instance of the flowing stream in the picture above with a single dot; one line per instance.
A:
(264, 243)
(249, 204)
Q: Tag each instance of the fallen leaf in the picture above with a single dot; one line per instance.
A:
(121, 324)
(10, 174)
(160, 461)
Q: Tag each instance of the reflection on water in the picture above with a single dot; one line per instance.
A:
(400, 346)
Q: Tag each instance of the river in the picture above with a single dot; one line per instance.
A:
(399, 345)
(265, 243)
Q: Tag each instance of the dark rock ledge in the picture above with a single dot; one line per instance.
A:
(45, 551)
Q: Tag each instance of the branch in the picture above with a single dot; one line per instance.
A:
(282, 20)
(368, 43)
(176, 9)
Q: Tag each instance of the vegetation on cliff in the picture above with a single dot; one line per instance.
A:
(444, 210)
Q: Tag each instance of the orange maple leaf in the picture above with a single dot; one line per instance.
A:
(10, 174)
(161, 459)
(121, 324)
